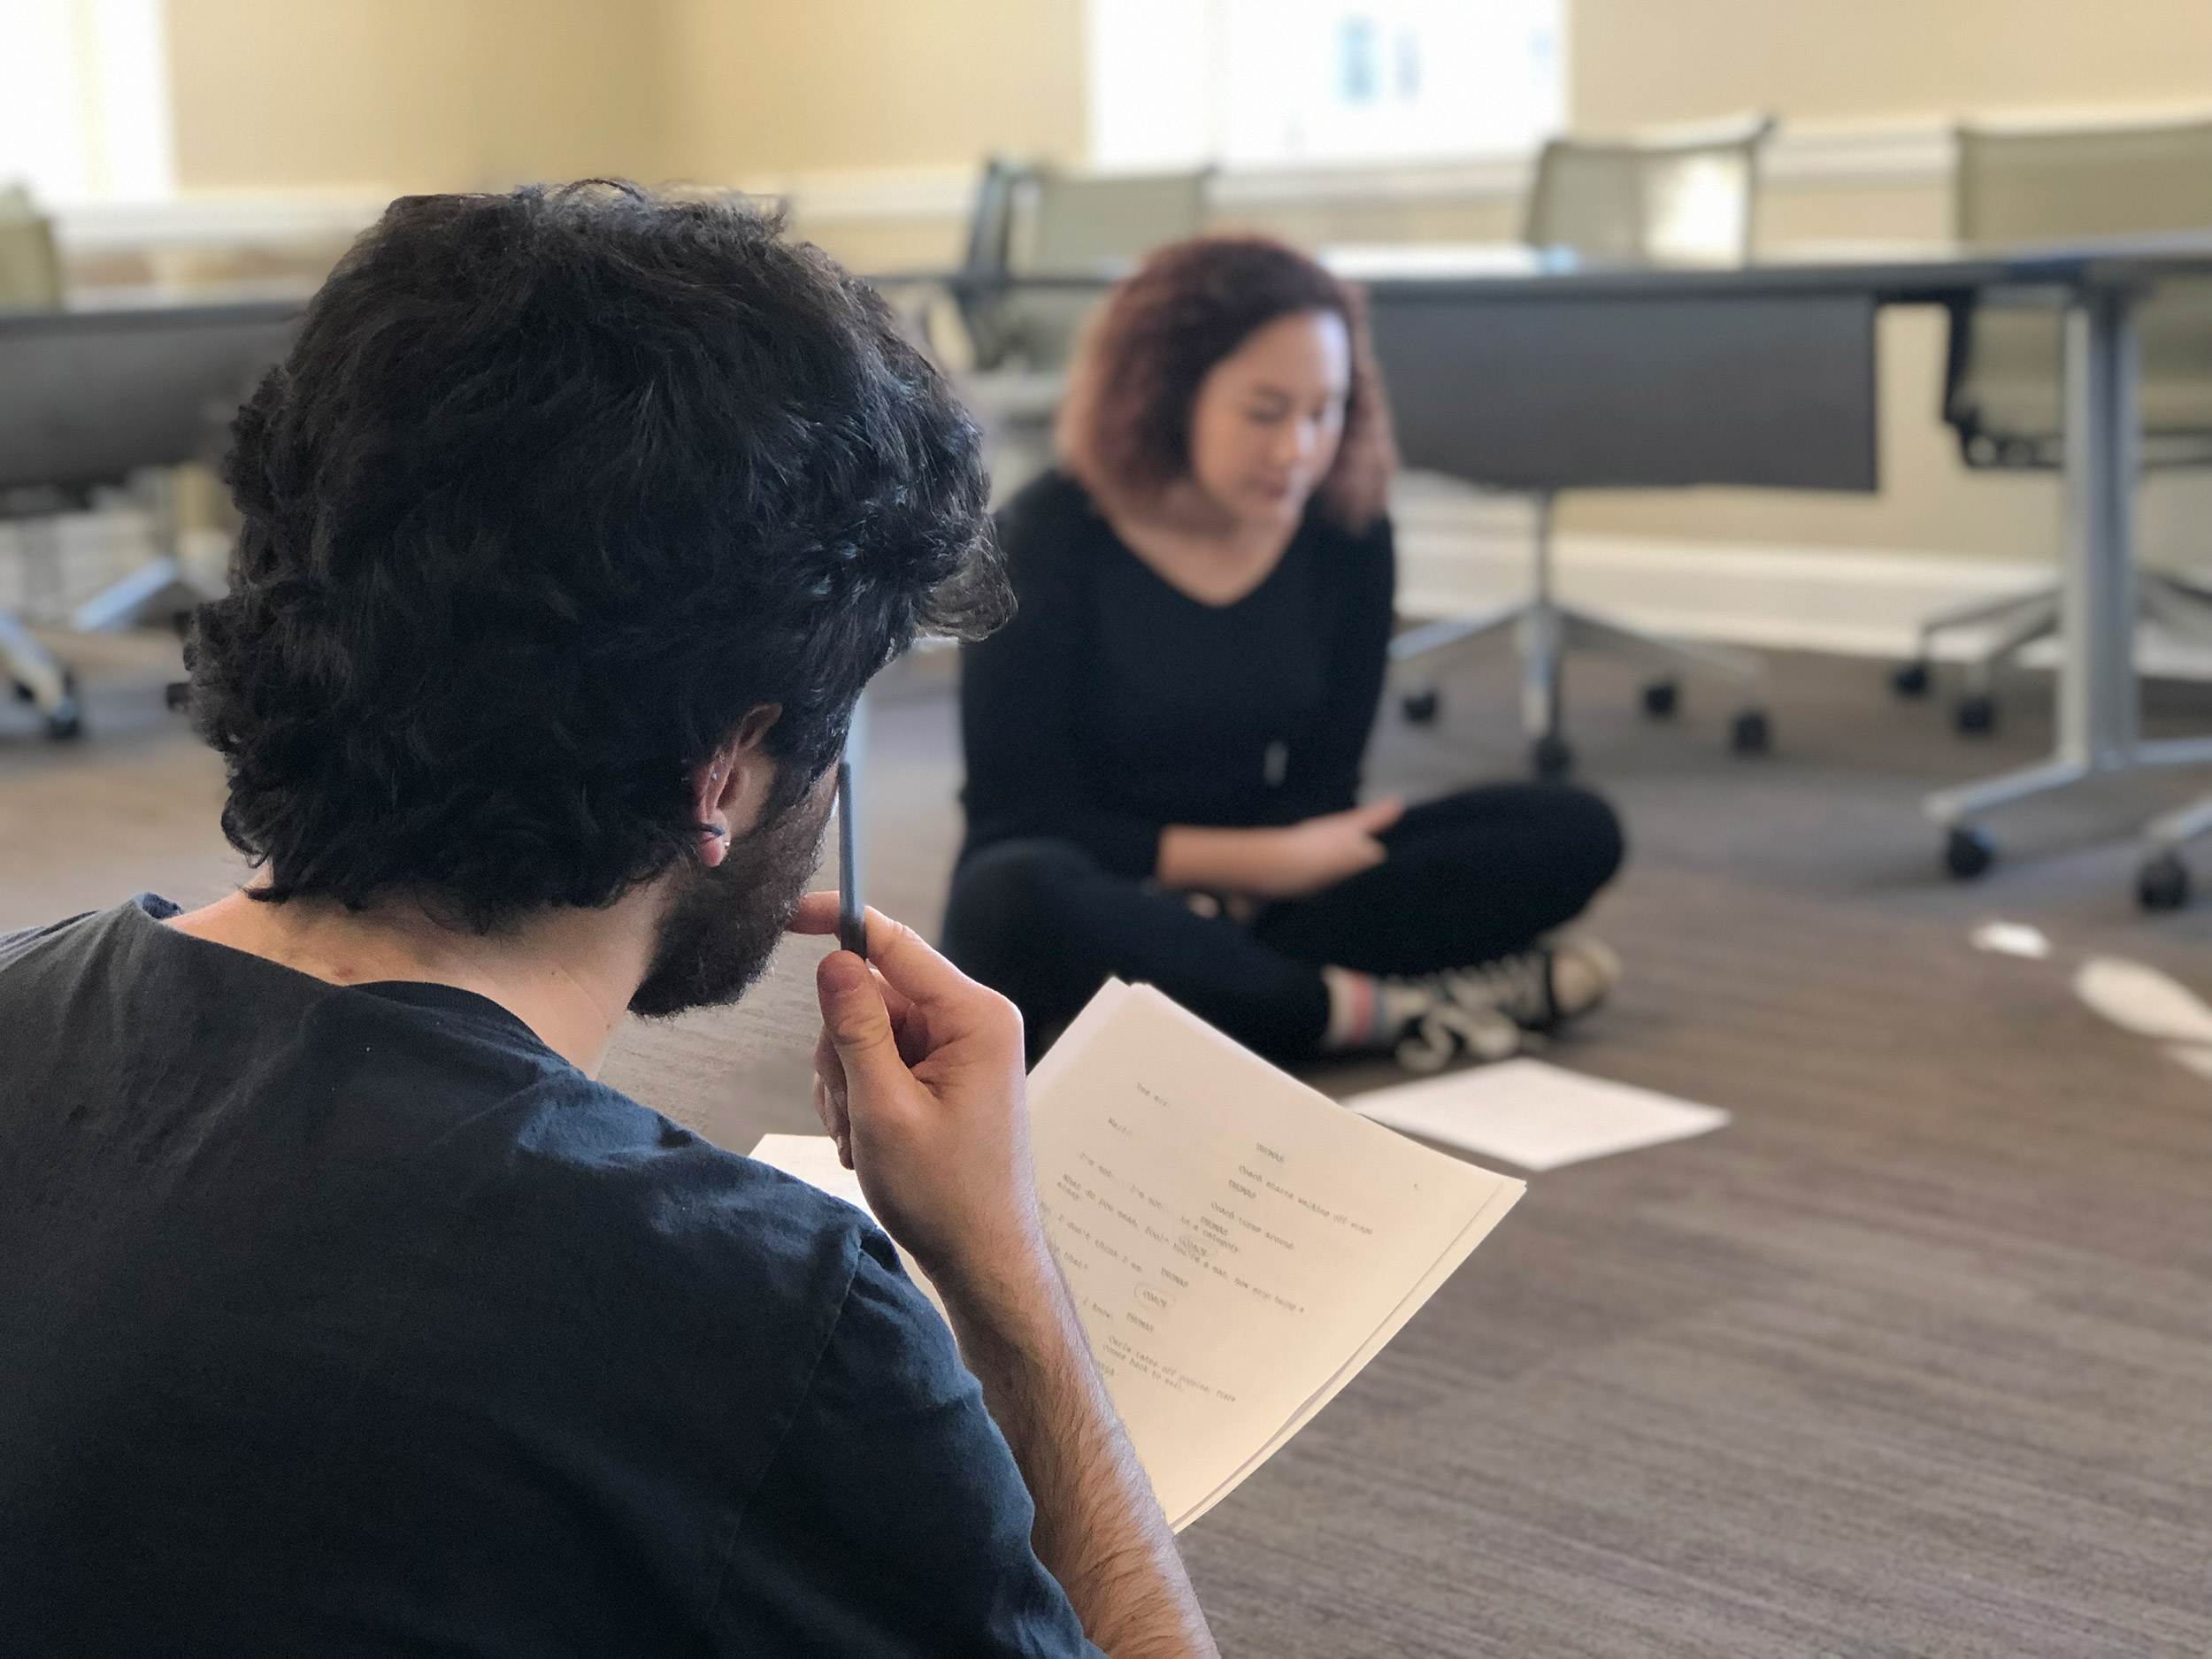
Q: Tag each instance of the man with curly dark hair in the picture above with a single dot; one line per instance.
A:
(342, 1311)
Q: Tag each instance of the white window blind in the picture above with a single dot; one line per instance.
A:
(1256, 82)
(84, 99)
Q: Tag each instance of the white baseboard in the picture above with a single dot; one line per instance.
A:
(219, 218)
(1458, 551)
(1463, 551)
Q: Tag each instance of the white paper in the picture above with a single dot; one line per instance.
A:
(1238, 1245)
(2196, 1058)
(1537, 1116)
(813, 1159)
(2012, 938)
(2137, 997)
(1362, 262)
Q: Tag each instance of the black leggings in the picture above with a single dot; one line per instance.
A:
(1470, 878)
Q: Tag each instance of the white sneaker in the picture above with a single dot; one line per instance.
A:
(1441, 1033)
(1482, 1010)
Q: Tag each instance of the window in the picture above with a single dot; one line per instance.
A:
(1256, 82)
(84, 99)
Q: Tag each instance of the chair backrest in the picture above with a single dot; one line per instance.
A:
(30, 267)
(2051, 185)
(992, 217)
(1073, 224)
(1668, 201)
(2003, 390)
(1039, 222)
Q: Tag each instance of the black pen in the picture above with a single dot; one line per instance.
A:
(852, 913)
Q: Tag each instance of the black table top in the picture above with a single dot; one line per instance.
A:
(140, 316)
(1886, 277)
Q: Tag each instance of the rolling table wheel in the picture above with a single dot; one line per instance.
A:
(2163, 883)
(1968, 851)
(1661, 698)
(1551, 757)
(1976, 715)
(1751, 734)
(1420, 708)
(1910, 679)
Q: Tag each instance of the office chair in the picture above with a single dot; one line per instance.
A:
(30, 280)
(30, 268)
(2002, 393)
(1686, 200)
(1039, 221)
(90, 397)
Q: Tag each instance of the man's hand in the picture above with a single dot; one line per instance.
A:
(1278, 863)
(918, 1077)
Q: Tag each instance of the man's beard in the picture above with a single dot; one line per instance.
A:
(721, 926)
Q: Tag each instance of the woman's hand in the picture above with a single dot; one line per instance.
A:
(1278, 863)
(1323, 851)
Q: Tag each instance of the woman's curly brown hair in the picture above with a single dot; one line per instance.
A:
(1125, 428)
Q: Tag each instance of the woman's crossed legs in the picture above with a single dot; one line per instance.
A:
(1470, 878)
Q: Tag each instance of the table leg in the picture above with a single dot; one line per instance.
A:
(2097, 700)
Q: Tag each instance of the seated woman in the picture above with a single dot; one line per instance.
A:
(1164, 746)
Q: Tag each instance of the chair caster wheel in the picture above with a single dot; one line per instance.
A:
(1551, 758)
(1968, 852)
(1910, 679)
(67, 719)
(1420, 708)
(1751, 734)
(1976, 714)
(2163, 883)
(1661, 698)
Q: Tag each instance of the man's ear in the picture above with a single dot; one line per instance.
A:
(730, 787)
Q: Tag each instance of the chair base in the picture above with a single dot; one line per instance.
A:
(2022, 619)
(1546, 631)
(39, 680)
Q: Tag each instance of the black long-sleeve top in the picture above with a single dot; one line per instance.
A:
(1113, 704)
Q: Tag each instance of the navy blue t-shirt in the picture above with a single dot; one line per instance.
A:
(353, 1319)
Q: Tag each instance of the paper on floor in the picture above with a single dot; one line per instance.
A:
(2012, 938)
(2196, 1058)
(2137, 997)
(813, 1159)
(1537, 1116)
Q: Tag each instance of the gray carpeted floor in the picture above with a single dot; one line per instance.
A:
(1914, 1358)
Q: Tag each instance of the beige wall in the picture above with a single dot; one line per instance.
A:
(1638, 61)
(412, 93)
(755, 85)
(425, 94)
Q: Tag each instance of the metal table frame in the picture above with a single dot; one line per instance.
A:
(2098, 698)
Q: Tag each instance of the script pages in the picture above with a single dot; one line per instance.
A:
(1239, 1245)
